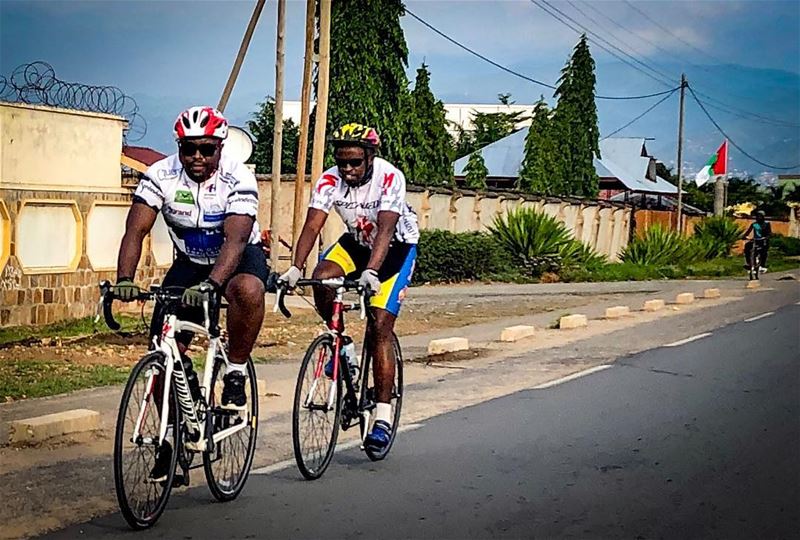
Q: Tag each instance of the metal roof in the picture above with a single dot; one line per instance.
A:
(621, 159)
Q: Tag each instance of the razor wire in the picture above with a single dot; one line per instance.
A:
(36, 84)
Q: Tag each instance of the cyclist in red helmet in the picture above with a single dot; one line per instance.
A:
(209, 203)
(379, 248)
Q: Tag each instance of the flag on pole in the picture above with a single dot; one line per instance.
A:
(717, 165)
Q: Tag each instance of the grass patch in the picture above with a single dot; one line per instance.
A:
(21, 379)
(66, 329)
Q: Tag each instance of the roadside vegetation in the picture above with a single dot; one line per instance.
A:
(526, 246)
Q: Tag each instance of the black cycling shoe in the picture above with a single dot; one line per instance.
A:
(233, 396)
(160, 470)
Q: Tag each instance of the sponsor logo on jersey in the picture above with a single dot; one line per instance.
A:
(327, 180)
(178, 212)
(184, 197)
(350, 205)
(214, 217)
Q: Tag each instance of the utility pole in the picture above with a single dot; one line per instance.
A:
(680, 154)
(237, 64)
(305, 120)
(277, 139)
(323, 69)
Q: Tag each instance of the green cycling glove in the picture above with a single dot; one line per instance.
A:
(194, 296)
(126, 290)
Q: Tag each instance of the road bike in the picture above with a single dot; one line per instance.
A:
(754, 260)
(323, 404)
(161, 406)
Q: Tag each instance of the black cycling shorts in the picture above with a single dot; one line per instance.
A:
(185, 273)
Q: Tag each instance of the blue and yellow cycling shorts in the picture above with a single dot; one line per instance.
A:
(395, 273)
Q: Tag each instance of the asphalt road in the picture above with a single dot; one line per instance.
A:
(697, 440)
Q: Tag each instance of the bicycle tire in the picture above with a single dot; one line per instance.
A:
(227, 489)
(397, 399)
(310, 468)
(754, 262)
(127, 505)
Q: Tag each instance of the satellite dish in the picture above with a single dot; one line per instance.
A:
(238, 144)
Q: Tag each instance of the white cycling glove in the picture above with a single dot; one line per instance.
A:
(369, 280)
(291, 276)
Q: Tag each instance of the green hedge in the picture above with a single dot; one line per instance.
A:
(785, 245)
(445, 257)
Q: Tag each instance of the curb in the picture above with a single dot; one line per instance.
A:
(41, 428)
(684, 298)
(617, 311)
(654, 305)
(572, 321)
(446, 345)
(515, 333)
(711, 293)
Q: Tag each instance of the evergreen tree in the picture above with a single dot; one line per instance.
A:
(368, 81)
(542, 169)
(427, 149)
(476, 172)
(487, 128)
(262, 127)
(576, 118)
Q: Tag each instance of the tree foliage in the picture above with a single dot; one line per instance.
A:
(262, 127)
(542, 169)
(476, 172)
(488, 128)
(368, 82)
(576, 119)
(427, 153)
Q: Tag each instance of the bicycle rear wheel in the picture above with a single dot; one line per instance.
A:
(315, 425)
(755, 262)
(141, 499)
(228, 465)
(369, 395)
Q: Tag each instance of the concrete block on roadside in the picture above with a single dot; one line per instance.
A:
(753, 284)
(684, 298)
(654, 305)
(617, 311)
(711, 293)
(41, 428)
(446, 345)
(572, 321)
(261, 387)
(515, 333)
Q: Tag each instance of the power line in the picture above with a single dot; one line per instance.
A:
(739, 148)
(660, 76)
(656, 104)
(516, 73)
(754, 117)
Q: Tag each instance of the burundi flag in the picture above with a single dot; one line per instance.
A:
(717, 165)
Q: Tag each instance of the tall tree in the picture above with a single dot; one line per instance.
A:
(542, 169)
(368, 81)
(576, 118)
(488, 128)
(476, 172)
(262, 126)
(428, 145)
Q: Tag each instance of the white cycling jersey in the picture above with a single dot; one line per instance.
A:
(195, 212)
(359, 207)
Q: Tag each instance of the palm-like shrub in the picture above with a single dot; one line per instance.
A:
(719, 234)
(540, 243)
(659, 246)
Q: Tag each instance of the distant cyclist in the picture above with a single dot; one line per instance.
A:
(762, 231)
(209, 203)
(379, 248)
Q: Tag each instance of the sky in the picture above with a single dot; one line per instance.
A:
(171, 54)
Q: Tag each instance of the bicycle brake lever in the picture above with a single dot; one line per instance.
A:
(279, 302)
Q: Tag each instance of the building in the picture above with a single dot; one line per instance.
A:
(624, 166)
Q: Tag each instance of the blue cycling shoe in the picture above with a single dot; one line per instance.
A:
(379, 437)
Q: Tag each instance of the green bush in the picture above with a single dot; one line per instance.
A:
(785, 245)
(717, 234)
(661, 247)
(539, 243)
(451, 257)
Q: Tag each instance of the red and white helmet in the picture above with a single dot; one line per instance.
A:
(201, 122)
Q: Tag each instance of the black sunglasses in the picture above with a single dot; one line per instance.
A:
(342, 163)
(206, 149)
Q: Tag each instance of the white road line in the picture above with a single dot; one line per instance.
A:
(572, 377)
(688, 340)
(767, 314)
(279, 466)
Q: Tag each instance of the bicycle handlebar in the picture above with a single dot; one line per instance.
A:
(335, 283)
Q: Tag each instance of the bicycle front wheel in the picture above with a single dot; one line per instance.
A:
(317, 406)
(228, 465)
(369, 398)
(142, 496)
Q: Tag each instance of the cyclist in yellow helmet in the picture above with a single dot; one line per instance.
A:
(379, 248)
